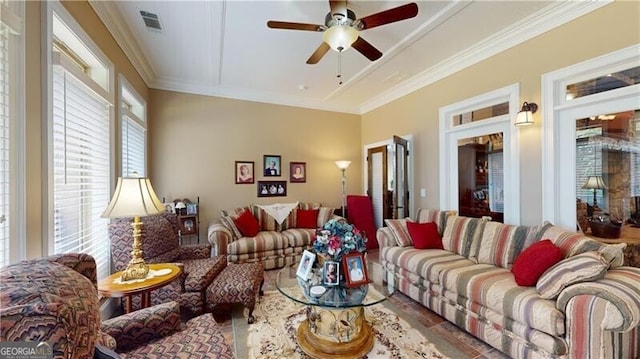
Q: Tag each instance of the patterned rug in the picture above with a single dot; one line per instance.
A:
(273, 335)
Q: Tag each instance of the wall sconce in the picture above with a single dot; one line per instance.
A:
(525, 116)
(342, 165)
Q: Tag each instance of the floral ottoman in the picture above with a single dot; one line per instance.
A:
(237, 283)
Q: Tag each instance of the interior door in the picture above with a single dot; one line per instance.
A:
(400, 196)
(377, 188)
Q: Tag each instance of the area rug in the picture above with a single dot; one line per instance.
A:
(273, 335)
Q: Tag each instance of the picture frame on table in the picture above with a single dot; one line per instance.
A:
(244, 171)
(272, 166)
(192, 208)
(306, 264)
(331, 273)
(188, 225)
(272, 188)
(297, 172)
(170, 207)
(355, 269)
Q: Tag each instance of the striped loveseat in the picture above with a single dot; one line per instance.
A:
(587, 305)
(277, 243)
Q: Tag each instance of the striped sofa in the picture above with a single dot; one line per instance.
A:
(470, 283)
(275, 245)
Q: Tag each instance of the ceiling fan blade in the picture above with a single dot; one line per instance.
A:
(388, 16)
(318, 54)
(294, 26)
(365, 48)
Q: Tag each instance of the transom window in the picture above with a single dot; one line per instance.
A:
(134, 131)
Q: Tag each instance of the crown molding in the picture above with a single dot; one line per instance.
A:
(548, 18)
(125, 39)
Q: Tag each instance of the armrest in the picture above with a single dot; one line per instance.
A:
(385, 238)
(619, 290)
(80, 262)
(219, 236)
(195, 251)
(142, 326)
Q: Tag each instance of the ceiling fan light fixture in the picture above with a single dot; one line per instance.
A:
(340, 37)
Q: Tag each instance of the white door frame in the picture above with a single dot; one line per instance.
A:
(450, 134)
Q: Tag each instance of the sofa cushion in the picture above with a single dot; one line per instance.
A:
(583, 267)
(230, 224)
(324, 215)
(495, 288)
(267, 223)
(307, 218)
(399, 229)
(233, 211)
(300, 237)
(433, 215)
(425, 235)
(263, 241)
(500, 244)
(533, 261)
(247, 224)
(460, 233)
(428, 263)
(571, 243)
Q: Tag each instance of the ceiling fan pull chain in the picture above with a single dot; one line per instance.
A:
(339, 68)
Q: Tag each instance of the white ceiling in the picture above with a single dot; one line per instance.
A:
(224, 48)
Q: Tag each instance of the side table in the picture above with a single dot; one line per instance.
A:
(160, 274)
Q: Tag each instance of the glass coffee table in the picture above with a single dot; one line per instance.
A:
(336, 326)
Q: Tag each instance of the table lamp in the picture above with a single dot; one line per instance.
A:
(594, 183)
(134, 197)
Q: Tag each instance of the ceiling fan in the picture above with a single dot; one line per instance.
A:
(341, 28)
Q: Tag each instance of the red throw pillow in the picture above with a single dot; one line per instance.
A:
(247, 224)
(307, 218)
(424, 235)
(534, 261)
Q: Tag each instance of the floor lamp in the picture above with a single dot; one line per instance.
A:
(342, 165)
(134, 197)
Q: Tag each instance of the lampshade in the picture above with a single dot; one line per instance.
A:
(180, 205)
(594, 182)
(343, 164)
(340, 37)
(525, 116)
(133, 197)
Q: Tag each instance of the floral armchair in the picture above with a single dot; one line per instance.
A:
(55, 300)
(161, 244)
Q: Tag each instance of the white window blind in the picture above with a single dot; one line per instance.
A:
(11, 92)
(496, 181)
(81, 163)
(133, 144)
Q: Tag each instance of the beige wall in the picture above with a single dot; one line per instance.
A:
(417, 113)
(194, 142)
(35, 104)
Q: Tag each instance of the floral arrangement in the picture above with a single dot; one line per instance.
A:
(338, 238)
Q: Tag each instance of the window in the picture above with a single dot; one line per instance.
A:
(134, 131)
(80, 140)
(11, 132)
(595, 103)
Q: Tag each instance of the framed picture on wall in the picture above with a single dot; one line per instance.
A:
(244, 172)
(272, 166)
(272, 188)
(297, 172)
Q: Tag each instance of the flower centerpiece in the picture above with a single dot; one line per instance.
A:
(337, 238)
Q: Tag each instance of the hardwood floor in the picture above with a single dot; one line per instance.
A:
(463, 341)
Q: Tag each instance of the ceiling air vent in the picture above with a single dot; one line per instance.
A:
(151, 21)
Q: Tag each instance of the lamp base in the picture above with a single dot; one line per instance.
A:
(137, 268)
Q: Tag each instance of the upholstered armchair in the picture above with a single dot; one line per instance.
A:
(55, 300)
(161, 244)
